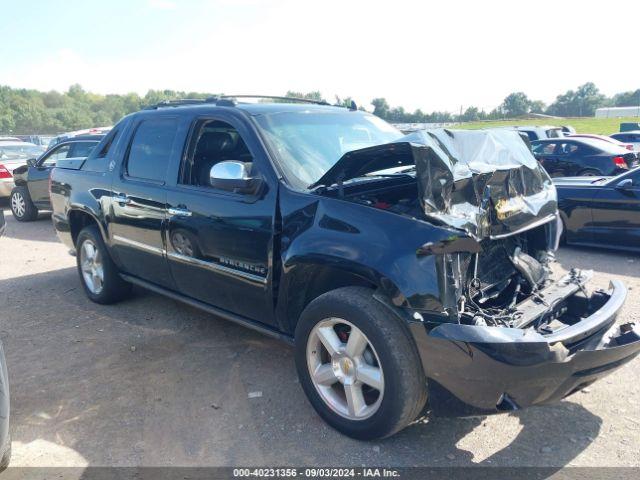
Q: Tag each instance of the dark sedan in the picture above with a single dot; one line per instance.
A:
(572, 157)
(31, 193)
(602, 211)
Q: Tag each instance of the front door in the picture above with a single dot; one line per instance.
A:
(39, 174)
(219, 243)
(139, 200)
(616, 213)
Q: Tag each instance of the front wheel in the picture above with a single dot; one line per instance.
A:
(99, 275)
(22, 207)
(358, 364)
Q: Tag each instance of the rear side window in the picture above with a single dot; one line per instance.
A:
(555, 133)
(81, 149)
(544, 148)
(151, 148)
(568, 148)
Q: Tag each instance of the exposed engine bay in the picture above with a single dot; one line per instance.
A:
(508, 281)
(489, 187)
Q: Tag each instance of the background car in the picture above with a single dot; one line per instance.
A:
(569, 157)
(87, 131)
(13, 154)
(632, 138)
(31, 191)
(42, 140)
(603, 211)
(629, 126)
(604, 138)
(539, 132)
(3, 225)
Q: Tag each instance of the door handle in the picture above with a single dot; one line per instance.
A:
(179, 212)
(122, 199)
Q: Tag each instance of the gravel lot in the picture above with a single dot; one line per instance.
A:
(153, 382)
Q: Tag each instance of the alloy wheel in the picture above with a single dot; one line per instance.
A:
(92, 267)
(345, 369)
(18, 205)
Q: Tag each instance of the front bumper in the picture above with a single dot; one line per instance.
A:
(476, 370)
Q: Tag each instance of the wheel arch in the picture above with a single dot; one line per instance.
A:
(306, 282)
(79, 219)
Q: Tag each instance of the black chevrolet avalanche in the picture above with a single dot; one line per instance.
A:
(403, 269)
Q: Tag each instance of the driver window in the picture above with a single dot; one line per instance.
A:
(213, 142)
(57, 154)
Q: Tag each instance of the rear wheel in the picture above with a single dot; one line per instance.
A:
(358, 364)
(22, 207)
(99, 275)
(590, 172)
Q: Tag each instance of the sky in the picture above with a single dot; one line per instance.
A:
(432, 55)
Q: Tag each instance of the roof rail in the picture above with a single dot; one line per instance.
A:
(229, 101)
(182, 101)
(275, 97)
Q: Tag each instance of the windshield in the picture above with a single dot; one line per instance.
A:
(308, 144)
(19, 151)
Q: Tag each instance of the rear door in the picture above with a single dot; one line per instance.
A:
(616, 213)
(546, 154)
(220, 242)
(139, 198)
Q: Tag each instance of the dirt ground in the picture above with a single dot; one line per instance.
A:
(152, 382)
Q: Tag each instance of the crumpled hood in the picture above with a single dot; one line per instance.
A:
(486, 182)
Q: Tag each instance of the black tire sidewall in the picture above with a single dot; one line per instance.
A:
(388, 417)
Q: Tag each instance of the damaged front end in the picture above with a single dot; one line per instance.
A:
(507, 334)
(515, 336)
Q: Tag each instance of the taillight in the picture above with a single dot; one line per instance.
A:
(4, 173)
(620, 162)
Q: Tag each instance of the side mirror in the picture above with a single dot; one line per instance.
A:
(625, 184)
(233, 175)
(32, 162)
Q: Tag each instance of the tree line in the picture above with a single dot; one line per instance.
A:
(24, 111)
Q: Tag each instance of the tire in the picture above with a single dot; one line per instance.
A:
(390, 348)
(590, 172)
(22, 207)
(98, 274)
(6, 458)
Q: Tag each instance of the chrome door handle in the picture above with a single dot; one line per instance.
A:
(122, 199)
(179, 212)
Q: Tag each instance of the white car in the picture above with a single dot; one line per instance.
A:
(13, 154)
(632, 137)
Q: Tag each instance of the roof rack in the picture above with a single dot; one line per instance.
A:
(275, 97)
(229, 101)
